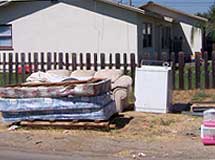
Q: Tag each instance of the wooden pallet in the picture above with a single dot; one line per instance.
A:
(69, 124)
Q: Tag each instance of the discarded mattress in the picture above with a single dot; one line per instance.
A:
(100, 107)
(91, 87)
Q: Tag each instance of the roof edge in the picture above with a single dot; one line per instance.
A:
(145, 6)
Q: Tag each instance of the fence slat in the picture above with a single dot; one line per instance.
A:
(23, 66)
(74, 61)
(189, 77)
(49, 60)
(125, 63)
(35, 62)
(42, 68)
(4, 69)
(95, 62)
(16, 67)
(133, 66)
(181, 70)
(29, 62)
(117, 61)
(60, 60)
(88, 61)
(81, 61)
(110, 61)
(197, 70)
(213, 69)
(55, 60)
(67, 61)
(207, 82)
(173, 69)
(10, 68)
(102, 57)
(164, 56)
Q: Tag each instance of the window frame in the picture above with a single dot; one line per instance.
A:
(147, 37)
(7, 36)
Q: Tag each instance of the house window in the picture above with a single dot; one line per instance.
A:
(147, 35)
(5, 36)
(166, 37)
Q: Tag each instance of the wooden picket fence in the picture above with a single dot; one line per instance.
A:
(200, 73)
(17, 66)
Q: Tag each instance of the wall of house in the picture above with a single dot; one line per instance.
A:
(193, 36)
(71, 26)
(156, 49)
(184, 27)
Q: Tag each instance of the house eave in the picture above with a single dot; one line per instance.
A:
(146, 7)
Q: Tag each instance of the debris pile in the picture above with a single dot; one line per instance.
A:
(82, 100)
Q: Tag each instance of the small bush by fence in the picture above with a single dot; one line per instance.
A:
(186, 75)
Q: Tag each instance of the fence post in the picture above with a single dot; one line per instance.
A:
(60, 60)
(49, 60)
(36, 62)
(133, 66)
(173, 69)
(74, 61)
(197, 70)
(55, 60)
(67, 61)
(81, 61)
(4, 69)
(102, 56)
(30, 62)
(23, 66)
(207, 82)
(16, 67)
(95, 62)
(117, 61)
(125, 64)
(10, 67)
(164, 56)
(88, 61)
(213, 69)
(181, 70)
(42, 61)
(110, 61)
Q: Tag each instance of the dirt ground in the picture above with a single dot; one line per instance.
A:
(152, 136)
(138, 136)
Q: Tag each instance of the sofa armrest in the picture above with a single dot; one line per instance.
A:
(122, 82)
(120, 96)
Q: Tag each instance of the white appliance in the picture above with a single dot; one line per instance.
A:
(153, 89)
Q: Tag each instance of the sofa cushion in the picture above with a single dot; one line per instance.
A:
(60, 72)
(82, 73)
(112, 74)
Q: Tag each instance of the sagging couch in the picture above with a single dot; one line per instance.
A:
(121, 85)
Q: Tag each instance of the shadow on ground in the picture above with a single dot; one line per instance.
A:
(120, 121)
(180, 107)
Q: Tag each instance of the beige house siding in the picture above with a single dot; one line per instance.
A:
(71, 26)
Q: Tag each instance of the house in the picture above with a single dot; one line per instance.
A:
(182, 33)
(96, 26)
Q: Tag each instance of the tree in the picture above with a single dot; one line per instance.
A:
(210, 26)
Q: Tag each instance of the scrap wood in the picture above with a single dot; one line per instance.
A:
(68, 124)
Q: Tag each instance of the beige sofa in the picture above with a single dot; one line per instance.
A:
(121, 84)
